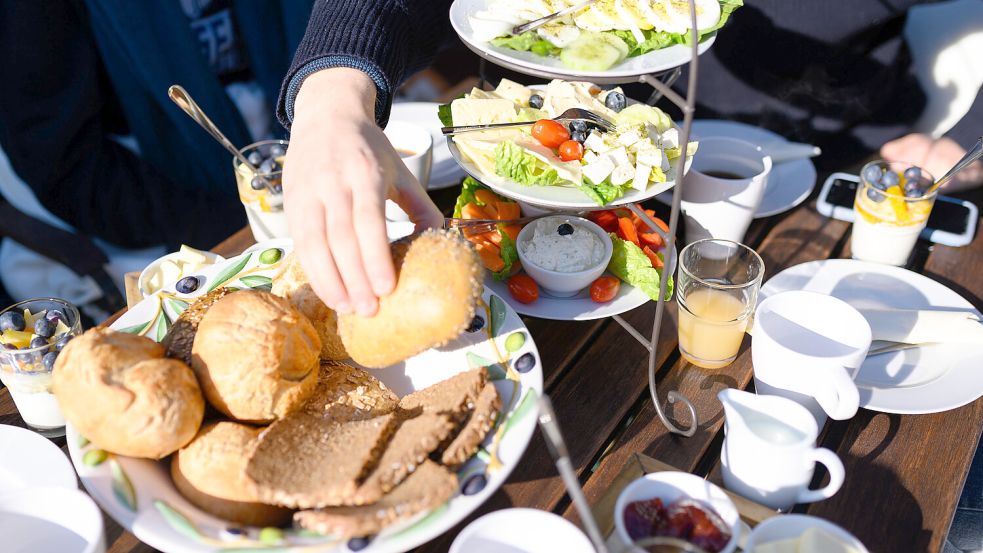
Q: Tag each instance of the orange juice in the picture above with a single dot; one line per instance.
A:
(711, 327)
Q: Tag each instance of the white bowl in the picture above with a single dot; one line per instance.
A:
(521, 531)
(670, 486)
(556, 283)
(792, 526)
(50, 518)
(145, 274)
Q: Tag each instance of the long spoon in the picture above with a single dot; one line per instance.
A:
(969, 158)
(180, 96)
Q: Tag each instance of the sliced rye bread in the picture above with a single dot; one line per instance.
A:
(453, 397)
(346, 393)
(466, 442)
(408, 448)
(181, 335)
(304, 461)
(429, 486)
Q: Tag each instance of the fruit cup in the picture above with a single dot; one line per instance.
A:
(892, 208)
(263, 208)
(27, 358)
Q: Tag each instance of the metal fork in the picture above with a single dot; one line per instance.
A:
(479, 226)
(571, 114)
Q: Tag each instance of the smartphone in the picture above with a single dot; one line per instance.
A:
(951, 223)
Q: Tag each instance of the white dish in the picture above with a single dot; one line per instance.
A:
(788, 185)
(558, 283)
(532, 64)
(521, 531)
(445, 172)
(139, 493)
(50, 519)
(29, 460)
(792, 526)
(926, 379)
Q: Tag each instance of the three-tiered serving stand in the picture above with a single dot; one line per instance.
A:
(661, 82)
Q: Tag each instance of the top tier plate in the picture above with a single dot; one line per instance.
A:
(531, 64)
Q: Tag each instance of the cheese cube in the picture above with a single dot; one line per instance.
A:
(187, 254)
(590, 156)
(622, 174)
(670, 139)
(642, 145)
(619, 156)
(596, 142)
(599, 170)
(651, 157)
(629, 138)
(641, 181)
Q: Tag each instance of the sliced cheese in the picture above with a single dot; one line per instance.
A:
(619, 156)
(641, 180)
(467, 111)
(622, 174)
(599, 170)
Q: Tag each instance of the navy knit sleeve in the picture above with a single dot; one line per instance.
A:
(387, 39)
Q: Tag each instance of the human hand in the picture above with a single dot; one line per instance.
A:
(340, 168)
(936, 156)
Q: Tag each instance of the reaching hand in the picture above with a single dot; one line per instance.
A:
(340, 168)
(936, 156)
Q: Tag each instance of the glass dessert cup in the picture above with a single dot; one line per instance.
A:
(264, 210)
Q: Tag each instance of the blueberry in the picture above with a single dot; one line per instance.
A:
(277, 150)
(358, 544)
(525, 363)
(912, 189)
(12, 320)
(255, 158)
(278, 188)
(257, 184)
(63, 341)
(872, 174)
(474, 484)
(44, 328)
(889, 179)
(913, 174)
(564, 229)
(536, 101)
(874, 195)
(578, 125)
(267, 166)
(578, 136)
(187, 285)
(615, 101)
(55, 315)
(38, 342)
(477, 323)
(49, 360)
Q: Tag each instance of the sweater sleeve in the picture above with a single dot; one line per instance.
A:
(387, 39)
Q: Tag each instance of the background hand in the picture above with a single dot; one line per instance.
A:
(936, 156)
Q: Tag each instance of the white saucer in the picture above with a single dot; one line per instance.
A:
(927, 379)
(445, 172)
(29, 460)
(521, 531)
(789, 184)
(50, 519)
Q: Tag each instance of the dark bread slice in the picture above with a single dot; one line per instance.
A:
(305, 461)
(429, 486)
(181, 336)
(453, 397)
(346, 393)
(466, 442)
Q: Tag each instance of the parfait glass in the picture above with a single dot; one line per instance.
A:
(264, 210)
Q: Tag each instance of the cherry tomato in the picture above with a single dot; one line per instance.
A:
(523, 288)
(571, 150)
(604, 289)
(549, 133)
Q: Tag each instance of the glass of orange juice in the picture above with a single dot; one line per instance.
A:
(717, 289)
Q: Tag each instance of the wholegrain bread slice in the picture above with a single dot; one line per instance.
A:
(346, 393)
(305, 461)
(181, 336)
(453, 397)
(429, 486)
(408, 448)
(466, 442)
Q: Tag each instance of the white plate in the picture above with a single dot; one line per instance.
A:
(531, 64)
(142, 512)
(928, 379)
(521, 531)
(29, 460)
(579, 307)
(445, 172)
(789, 184)
(50, 519)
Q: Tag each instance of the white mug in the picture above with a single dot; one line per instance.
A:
(414, 144)
(808, 347)
(717, 207)
(769, 452)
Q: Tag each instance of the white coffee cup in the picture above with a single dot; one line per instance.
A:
(718, 207)
(414, 144)
(808, 347)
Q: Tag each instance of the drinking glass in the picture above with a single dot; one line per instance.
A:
(24, 373)
(263, 209)
(717, 288)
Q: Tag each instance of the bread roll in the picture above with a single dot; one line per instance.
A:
(291, 283)
(438, 284)
(119, 391)
(256, 356)
(211, 473)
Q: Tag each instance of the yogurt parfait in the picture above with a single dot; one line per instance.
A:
(892, 208)
(563, 254)
(264, 209)
(32, 334)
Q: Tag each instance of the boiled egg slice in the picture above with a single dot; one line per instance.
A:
(707, 13)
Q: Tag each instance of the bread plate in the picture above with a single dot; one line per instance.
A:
(140, 495)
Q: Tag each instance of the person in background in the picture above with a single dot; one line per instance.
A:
(835, 73)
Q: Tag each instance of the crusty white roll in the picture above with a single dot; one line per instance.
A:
(120, 392)
(211, 473)
(438, 285)
(256, 357)
(292, 283)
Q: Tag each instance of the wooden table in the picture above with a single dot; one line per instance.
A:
(904, 473)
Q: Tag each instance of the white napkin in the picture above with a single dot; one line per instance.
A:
(924, 326)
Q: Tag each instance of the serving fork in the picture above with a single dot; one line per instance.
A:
(572, 114)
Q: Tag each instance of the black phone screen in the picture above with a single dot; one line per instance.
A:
(946, 216)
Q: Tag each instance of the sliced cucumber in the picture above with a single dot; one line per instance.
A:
(594, 52)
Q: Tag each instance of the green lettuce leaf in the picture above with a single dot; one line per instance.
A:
(514, 163)
(604, 193)
(444, 114)
(468, 188)
(630, 264)
(527, 42)
(508, 253)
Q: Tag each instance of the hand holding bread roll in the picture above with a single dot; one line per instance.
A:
(120, 392)
(438, 284)
(292, 283)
